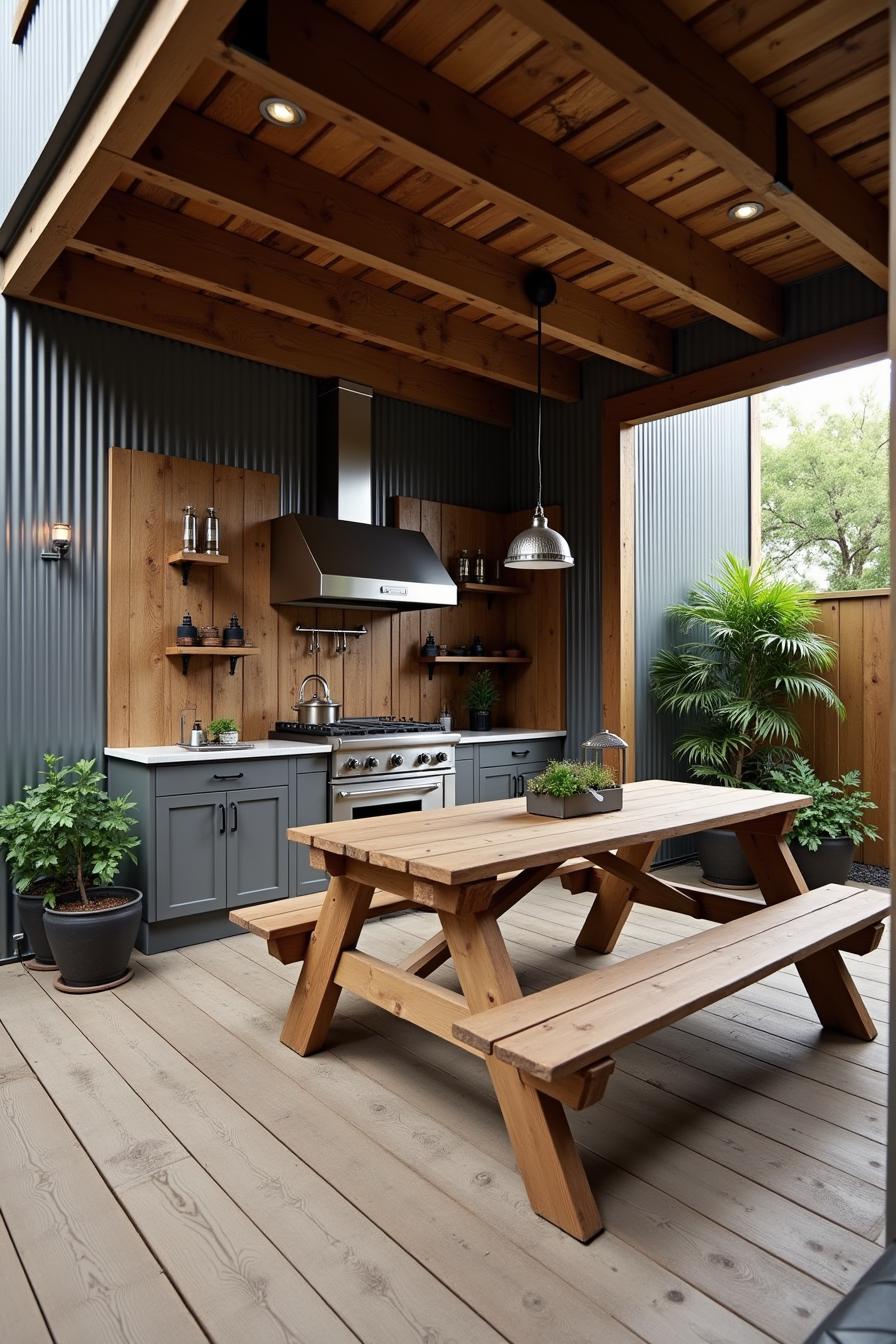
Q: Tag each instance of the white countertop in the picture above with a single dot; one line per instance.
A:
(175, 755)
(509, 734)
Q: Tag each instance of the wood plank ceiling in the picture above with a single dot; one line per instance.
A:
(449, 149)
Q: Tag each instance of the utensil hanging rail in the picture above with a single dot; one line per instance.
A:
(341, 636)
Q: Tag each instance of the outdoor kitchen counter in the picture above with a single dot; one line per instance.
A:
(175, 755)
(509, 734)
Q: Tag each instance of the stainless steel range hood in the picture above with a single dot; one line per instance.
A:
(339, 558)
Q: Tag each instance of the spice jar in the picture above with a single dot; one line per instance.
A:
(187, 634)
(234, 636)
(210, 637)
(212, 532)
(188, 542)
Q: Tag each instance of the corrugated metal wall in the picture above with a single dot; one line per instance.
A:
(71, 388)
(47, 81)
(692, 505)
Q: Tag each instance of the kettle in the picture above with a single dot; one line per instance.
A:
(319, 709)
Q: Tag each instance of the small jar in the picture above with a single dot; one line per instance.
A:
(463, 566)
(430, 648)
(188, 542)
(234, 636)
(479, 567)
(187, 634)
(212, 532)
(210, 637)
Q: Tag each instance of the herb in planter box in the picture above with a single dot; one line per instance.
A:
(573, 789)
(481, 697)
(824, 836)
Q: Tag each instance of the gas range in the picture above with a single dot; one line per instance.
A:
(381, 765)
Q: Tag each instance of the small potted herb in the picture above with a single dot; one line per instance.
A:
(224, 731)
(573, 789)
(482, 695)
(68, 839)
(825, 834)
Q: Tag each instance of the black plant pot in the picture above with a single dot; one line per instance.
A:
(480, 720)
(92, 948)
(31, 916)
(830, 862)
(722, 859)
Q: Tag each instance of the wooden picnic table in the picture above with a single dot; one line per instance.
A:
(471, 864)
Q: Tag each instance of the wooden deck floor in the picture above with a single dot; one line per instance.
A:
(169, 1173)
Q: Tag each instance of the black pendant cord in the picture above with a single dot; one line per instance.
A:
(540, 508)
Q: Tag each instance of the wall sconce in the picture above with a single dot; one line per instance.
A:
(60, 540)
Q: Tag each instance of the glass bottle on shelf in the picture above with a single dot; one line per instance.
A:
(478, 567)
(463, 566)
(188, 543)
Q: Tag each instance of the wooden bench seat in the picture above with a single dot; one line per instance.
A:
(570, 1026)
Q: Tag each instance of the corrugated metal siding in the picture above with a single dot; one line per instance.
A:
(692, 505)
(426, 454)
(73, 387)
(57, 66)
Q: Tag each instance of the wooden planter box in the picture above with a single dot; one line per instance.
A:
(580, 805)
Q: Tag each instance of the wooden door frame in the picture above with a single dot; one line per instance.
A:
(828, 352)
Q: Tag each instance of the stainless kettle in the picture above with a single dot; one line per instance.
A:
(320, 708)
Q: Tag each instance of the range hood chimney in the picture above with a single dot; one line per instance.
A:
(338, 557)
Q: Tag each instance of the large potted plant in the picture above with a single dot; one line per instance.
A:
(573, 789)
(481, 697)
(824, 835)
(750, 655)
(91, 925)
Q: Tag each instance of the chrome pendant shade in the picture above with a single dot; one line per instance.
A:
(539, 546)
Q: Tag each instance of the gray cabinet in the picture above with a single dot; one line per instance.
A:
(467, 778)
(501, 769)
(257, 847)
(496, 782)
(311, 806)
(191, 854)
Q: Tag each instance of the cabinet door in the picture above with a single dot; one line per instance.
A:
(465, 779)
(257, 847)
(191, 854)
(311, 807)
(496, 782)
(527, 773)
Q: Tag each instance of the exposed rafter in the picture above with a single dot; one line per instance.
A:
(342, 73)
(648, 55)
(208, 162)
(85, 285)
(164, 243)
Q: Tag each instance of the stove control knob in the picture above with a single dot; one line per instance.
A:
(395, 759)
(440, 757)
(352, 763)
(423, 758)
(371, 763)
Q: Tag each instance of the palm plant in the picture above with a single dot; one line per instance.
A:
(752, 655)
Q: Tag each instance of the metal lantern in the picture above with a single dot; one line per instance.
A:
(603, 741)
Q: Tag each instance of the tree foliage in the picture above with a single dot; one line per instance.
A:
(825, 511)
(752, 653)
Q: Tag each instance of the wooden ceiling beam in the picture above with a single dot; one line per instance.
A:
(168, 47)
(85, 285)
(162, 242)
(645, 53)
(199, 158)
(339, 71)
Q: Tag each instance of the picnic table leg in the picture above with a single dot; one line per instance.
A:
(612, 904)
(537, 1126)
(824, 974)
(316, 995)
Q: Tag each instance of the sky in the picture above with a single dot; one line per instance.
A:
(829, 388)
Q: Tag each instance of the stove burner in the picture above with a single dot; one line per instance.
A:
(376, 727)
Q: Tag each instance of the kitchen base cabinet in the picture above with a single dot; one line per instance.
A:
(191, 854)
(257, 847)
(466, 783)
(490, 771)
(311, 805)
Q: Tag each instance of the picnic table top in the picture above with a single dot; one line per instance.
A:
(481, 840)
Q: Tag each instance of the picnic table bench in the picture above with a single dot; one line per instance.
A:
(553, 1049)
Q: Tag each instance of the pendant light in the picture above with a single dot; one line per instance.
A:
(539, 546)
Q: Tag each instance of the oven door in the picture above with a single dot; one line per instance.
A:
(380, 798)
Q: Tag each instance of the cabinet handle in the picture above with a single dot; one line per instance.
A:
(223, 819)
(238, 775)
(234, 817)
(521, 753)
(516, 786)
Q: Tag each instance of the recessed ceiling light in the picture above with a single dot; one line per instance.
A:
(281, 112)
(745, 210)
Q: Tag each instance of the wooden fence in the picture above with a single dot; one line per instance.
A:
(859, 624)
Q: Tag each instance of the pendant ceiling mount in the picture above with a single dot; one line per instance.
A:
(539, 546)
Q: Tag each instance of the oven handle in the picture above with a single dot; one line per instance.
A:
(378, 793)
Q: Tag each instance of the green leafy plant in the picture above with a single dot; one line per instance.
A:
(564, 779)
(67, 832)
(838, 805)
(753, 654)
(482, 693)
(219, 726)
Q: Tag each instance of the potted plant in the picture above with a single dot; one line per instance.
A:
(573, 789)
(224, 731)
(824, 835)
(91, 926)
(482, 694)
(752, 653)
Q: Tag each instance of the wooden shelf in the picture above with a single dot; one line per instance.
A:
(460, 660)
(187, 559)
(215, 651)
(490, 590)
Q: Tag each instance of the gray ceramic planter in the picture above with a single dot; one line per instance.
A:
(830, 862)
(580, 805)
(722, 859)
(92, 948)
(31, 917)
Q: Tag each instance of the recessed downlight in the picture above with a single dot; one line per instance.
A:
(745, 210)
(281, 112)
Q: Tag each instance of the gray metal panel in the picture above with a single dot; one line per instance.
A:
(692, 505)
